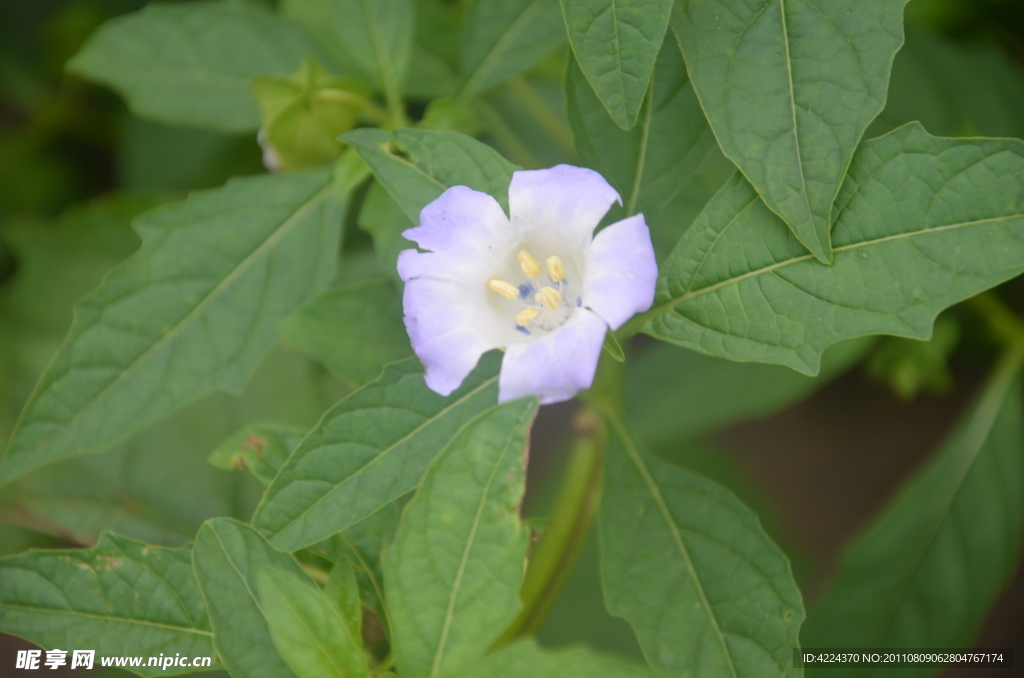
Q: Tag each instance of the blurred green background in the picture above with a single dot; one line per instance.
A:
(75, 167)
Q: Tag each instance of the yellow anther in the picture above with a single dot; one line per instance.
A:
(505, 289)
(549, 296)
(530, 266)
(524, 317)
(555, 269)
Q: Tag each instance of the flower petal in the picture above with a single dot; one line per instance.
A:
(447, 329)
(556, 366)
(462, 223)
(566, 199)
(621, 271)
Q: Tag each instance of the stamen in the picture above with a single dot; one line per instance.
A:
(555, 269)
(524, 317)
(530, 266)
(549, 296)
(505, 289)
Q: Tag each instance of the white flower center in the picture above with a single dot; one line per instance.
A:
(542, 299)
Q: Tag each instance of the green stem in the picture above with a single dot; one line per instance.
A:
(318, 575)
(505, 135)
(989, 405)
(574, 511)
(1001, 319)
(543, 114)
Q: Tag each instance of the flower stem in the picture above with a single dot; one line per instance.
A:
(542, 113)
(574, 511)
(1001, 319)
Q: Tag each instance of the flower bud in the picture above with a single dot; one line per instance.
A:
(305, 113)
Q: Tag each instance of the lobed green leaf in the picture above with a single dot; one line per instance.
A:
(190, 63)
(921, 224)
(452, 577)
(789, 87)
(689, 567)
(616, 43)
(194, 310)
(120, 597)
(369, 450)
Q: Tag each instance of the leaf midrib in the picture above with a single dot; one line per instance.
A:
(659, 500)
(457, 584)
(380, 47)
(669, 305)
(108, 618)
(191, 317)
(796, 132)
(641, 161)
(391, 448)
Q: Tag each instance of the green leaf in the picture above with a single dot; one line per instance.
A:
(354, 330)
(120, 597)
(416, 166)
(921, 224)
(227, 558)
(616, 43)
(194, 310)
(452, 577)
(650, 164)
(369, 39)
(384, 220)
(504, 37)
(789, 87)
(928, 570)
(190, 63)
(342, 592)
(260, 449)
(526, 660)
(307, 630)
(689, 567)
(367, 451)
(667, 227)
(158, 487)
(954, 88)
(360, 547)
(673, 394)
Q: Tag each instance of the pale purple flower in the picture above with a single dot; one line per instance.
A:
(539, 284)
